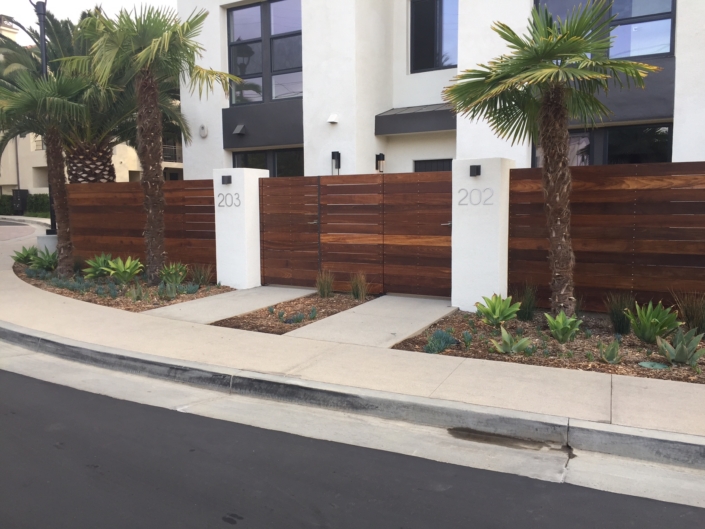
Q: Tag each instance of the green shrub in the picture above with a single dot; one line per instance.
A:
(324, 283)
(359, 286)
(467, 339)
(45, 260)
(38, 203)
(167, 291)
(99, 266)
(25, 255)
(439, 341)
(563, 328)
(509, 345)
(136, 292)
(188, 288)
(296, 318)
(684, 349)
(616, 304)
(202, 274)
(610, 354)
(313, 314)
(124, 272)
(497, 310)
(39, 274)
(6, 205)
(691, 309)
(173, 273)
(69, 284)
(527, 297)
(649, 322)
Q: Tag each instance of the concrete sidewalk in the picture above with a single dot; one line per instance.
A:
(228, 305)
(382, 322)
(672, 407)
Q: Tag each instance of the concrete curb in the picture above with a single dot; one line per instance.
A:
(27, 220)
(650, 445)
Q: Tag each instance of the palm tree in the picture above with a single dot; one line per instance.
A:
(550, 76)
(40, 106)
(146, 48)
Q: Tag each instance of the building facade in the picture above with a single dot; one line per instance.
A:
(363, 79)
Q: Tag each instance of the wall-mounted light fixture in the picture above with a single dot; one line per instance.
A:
(379, 162)
(333, 118)
(240, 130)
(226, 179)
(335, 161)
(475, 170)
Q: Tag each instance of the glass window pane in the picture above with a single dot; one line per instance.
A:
(246, 59)
(559, 8)
(289, 163)
(578, 150)
(423, 34)
(286, 16)
(640, 8)
(288, 85)
(286, 53)
(249, 91)
(645, 38)
(245, 24)
(251, 160)
(639, 144)
(449, 52)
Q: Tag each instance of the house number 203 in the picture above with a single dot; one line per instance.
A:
(229, 200)
(476, 197)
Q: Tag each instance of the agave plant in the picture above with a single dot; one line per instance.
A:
(509, 345)
(563, 328)
(684, 349)
(174, 273)
(496, 310)
(649, 322)
(610, 354)
(98, 266)
(126, 271)
(25, 255)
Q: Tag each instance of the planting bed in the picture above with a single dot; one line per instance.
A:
(268, 320)
(151, 301)
(581, 354)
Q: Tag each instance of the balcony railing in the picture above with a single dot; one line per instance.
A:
(173, 154)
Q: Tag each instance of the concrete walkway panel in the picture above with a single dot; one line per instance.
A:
(228, 305)
(553, 391)
(382, 322)
(672, 406)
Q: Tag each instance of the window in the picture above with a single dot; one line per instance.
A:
(651, 143)
(434, 34)
(285, 162)
(430, 166)
(266, 51)
(642, 27)
(639, 144)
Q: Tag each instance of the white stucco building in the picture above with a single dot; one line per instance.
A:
(364, 77)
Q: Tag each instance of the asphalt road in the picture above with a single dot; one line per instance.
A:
(76, 460)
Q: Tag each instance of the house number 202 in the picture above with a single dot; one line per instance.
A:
(229, 200)
(476, 197)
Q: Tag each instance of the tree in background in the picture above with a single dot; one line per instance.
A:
(145, 49)
(551, 75)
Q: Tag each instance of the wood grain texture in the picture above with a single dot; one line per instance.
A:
(637, 228)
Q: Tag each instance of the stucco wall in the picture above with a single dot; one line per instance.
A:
(689, 112)
(402, 150)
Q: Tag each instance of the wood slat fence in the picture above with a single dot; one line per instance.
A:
(395, 228)
(637, 228)
(110, 218)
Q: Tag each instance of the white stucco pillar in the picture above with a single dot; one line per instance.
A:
(237, 226)
(480, 230)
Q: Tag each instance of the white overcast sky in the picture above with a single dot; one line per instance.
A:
(23, 12)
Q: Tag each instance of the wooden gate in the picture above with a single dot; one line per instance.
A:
(395, 228)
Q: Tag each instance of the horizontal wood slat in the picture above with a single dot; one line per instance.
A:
(638, 228)
(110, 218)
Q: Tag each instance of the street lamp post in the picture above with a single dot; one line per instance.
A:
(41, 9)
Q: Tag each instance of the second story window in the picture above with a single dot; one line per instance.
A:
(642, 27)
(434, 34)
(265, 51)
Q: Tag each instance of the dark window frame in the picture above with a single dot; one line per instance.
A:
(446, 163)
(271, 156)
(266, 38)
(439, 41)
(652, 18)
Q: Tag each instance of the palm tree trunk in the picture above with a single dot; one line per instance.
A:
(149, 150)
(90, 164)
(553, 132)
(57, 182)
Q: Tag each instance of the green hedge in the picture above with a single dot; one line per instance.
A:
(5, 205)
(38, 203)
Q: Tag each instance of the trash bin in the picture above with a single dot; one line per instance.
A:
(19, 201)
